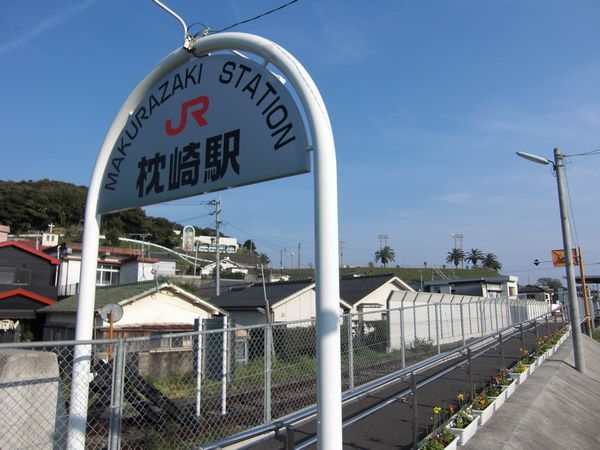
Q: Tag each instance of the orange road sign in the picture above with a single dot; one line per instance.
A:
(558, 257)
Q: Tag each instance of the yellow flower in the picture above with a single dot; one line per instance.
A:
(460, 397)
(437, 410)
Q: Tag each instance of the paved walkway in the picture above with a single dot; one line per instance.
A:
(392, 427)
(556, 408)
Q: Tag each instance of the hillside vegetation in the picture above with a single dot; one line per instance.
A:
(30, 206)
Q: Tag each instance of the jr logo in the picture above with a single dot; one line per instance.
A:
(196, 114)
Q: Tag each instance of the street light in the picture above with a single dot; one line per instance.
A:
(559, 167)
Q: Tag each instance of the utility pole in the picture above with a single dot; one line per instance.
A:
(281, 251)
(292, 260)
(559, 166)
(299, 245)
(458, 240)
(217, 213)
(341, 244)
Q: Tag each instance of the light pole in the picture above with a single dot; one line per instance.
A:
(559, 169)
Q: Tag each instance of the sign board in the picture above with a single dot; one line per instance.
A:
(213, 123)
(558, 257)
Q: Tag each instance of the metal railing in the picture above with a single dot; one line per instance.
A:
(227, 384)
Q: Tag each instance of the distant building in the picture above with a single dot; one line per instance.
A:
(148, 308)
(489, 287)
(27, 283)
(532, 292)
(4, 230)
(296, 299)
(116, 265)
(209, 244)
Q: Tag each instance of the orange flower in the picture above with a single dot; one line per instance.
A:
(451, 409)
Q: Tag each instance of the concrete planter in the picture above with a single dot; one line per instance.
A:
(452, 445)
(519, 377)
(464, 434)
(531, 368)
(508, 390)
(486, 414)
(498, 401)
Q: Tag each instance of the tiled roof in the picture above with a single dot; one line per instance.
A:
(104, 295)
(353, 289)
(26, 248)
(253, 297)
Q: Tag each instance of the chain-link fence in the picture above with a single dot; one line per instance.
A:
(183, 390)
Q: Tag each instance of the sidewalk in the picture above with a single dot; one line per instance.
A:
(556, 408)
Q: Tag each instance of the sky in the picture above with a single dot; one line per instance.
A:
(428, 100)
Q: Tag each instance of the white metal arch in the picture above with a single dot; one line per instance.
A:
(329, 416)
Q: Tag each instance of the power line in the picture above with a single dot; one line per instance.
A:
(207, 29)
(590, 153)
(571, 206)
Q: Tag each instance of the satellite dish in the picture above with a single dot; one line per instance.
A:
(116, 310)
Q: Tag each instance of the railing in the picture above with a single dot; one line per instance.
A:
(227, 384)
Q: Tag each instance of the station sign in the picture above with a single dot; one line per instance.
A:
(216, 122)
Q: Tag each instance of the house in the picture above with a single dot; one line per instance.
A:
(149, 308)
(370, 292)
(490, 287)
(532, 292)
(116, 265)
(27, 283)
(296, 299)
(226, 265)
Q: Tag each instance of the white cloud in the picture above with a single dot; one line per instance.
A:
(46, 24)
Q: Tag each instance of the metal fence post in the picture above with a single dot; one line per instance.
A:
(535, 328)
(413, 388)
(268, 372)
(350, 354)
(116, 402)
(501, 339)
(198, 364)
(522, 336)
(402, 338)
(470, 360)
(290, 438)
(437, 330)
(547, 326)
(462, 324)
(224, 370)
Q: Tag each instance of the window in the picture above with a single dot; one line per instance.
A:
(107, 275)
(7, 275)
(24, 276)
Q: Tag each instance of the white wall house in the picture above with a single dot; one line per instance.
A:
(115, 266)
(147, 309)
(209, 244)
(489, 287)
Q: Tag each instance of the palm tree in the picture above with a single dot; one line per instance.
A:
(385, 255)
(490, 261)
(456, 256)
(474, 256)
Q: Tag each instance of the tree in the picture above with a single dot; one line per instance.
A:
(474, 256)
(490, 261)
(455, 256)
(385, 255)
(552, 283)
(264, 259)
(250, 246)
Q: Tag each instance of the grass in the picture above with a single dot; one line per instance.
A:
(404, 273)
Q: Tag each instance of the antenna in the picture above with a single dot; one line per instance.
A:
(188, 40)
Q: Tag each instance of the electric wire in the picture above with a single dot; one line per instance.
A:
(590, 153)
(571, 213)
(255, 17)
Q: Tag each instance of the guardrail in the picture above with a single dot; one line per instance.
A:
(288, 423)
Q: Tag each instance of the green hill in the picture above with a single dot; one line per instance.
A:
(409, 275)
(29, 206)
